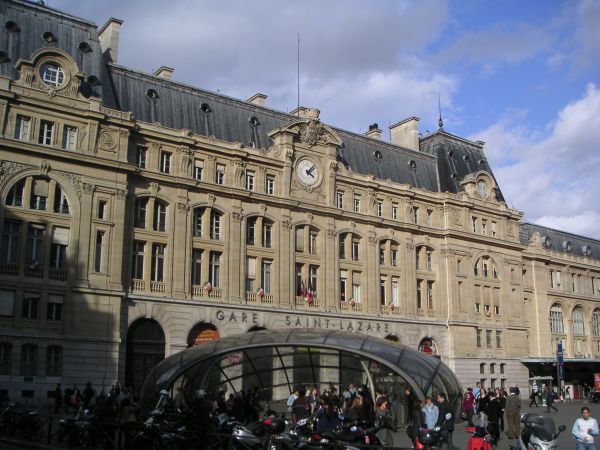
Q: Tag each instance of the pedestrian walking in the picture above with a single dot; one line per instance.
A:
(549, 396)
(467, 408)
(584, 430)
(512, 410)
(445, 421)
(533, 396)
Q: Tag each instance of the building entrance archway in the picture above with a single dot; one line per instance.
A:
(144, 350)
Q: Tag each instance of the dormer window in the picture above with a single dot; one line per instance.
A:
(52, 74)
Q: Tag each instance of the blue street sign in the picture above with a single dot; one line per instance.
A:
(560, 364)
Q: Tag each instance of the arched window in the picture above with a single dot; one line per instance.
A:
(486, 268)
(578, 324)
(424, 258)
(596, 322)
(556, 319)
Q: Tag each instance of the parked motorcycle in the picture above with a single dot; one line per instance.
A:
(539, 432)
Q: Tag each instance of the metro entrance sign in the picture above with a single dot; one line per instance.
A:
(560, 364)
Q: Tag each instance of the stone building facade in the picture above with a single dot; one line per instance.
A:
(141, 216)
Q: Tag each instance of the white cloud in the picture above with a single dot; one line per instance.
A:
(551, 177)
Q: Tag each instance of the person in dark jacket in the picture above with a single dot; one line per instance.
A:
(549, 397)
(494, 412)
(445, 419)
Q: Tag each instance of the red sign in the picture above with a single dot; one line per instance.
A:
(234, 358)
(597, 382)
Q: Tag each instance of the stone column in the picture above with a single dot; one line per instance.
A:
(286, 263)
(86, 241)
(236, 264)
(118, 238)
(181, 267)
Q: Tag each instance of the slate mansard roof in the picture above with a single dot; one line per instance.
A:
(560, 241)
(180, 106)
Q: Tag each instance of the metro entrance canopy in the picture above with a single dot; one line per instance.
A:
(275, 362)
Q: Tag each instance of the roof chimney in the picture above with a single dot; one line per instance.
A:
(257, 99)
(109, 39)
(406, 133)
(374, 131)
(164, 72)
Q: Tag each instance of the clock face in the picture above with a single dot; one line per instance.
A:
(307, 172)
(482, 188)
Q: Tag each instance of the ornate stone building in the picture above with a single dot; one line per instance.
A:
(141, 216)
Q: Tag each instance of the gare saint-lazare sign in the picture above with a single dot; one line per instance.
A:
(299, 321)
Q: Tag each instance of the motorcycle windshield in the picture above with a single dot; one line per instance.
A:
(541, 426)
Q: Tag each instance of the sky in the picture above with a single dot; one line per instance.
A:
(523, 76)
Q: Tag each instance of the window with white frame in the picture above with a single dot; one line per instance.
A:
(250, 273)
(379, 208)
(11, 236)
(165, 162)
(198, 168)
(15, 194)
(220, 174)
(158, 262)
(415, 214)
(22, 128)
(141, 205)
(266, 275)
(395, 211)
(137, 266)
(197, 266)
(215, 225)
(46, 134)
(356, 203)
(270, 185)
(160, 216)
(69, 138)
(214, 268)
(58, 248)
(267, 235)
(596, 322)
(343, 283)
(556, 319)
(340, 199)
(99, 256)
(141, 154)
(578, 321)
(249, 180)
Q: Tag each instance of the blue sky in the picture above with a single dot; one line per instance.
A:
(523, 76)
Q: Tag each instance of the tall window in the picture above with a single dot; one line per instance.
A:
(250, 273)
(267, 232)
(15, 195)
(158, 262)
(102, 209)
(356, 287)
(10, 241)
(214, 268)
(299, 280)
(7, 303)
(29, 360)
(596, 322)
(394, 256)
(61, 204)
(429, 262)
(215, 225)
(266, 275)
(35, 245)
(419, 294)
(69, 138)
(160, 216)
(99, 250)
(429, 294)
(30, 306)
(198, 168)
(578, 322)
(356, 203)
(340, 199)
(395, 211)
(54, 310)
(556, 319)
(22, 128)
(270, 185)
(415, 214)
(250, 230)
(312, 279)
(355, 249)
(165, 162)
(342, 248)
(5, 358)
(382, 295)
(379, 208)
(137, 264)
(488, 338)
(395, 292)
(220, 174)
(58, 248)
(343, 282)
(46, 135)
(498, 339)
(39, 194)
(197, 222)
(312, 242)
(141, 204)
(53, 361)
(249, 180)
(196, 266)
(478, 339)
(141, 154)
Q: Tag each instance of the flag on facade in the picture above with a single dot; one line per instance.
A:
(309, 293)
(302, 289)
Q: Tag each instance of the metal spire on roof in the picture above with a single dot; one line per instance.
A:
(440, 121)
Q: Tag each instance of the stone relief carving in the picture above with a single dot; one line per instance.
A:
(186, 159)
(331, 232)
(536, 239)
(75, 180)
(87, 188)
(238, 174)
(286, 223)
(120, 193)
(7, 168)
(107, 141)
(44, 168)
(211, 200)
(183, 207)
(237, 217)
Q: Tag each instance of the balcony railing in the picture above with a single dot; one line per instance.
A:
(36, 272)
(57, 274)
(138, 285)
(254, 297)
(199, 291)
(389, 309)
(9, 268)
(350, 306)
(303, 302)
(158, 287)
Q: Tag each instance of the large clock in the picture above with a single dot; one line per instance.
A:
(307, 172)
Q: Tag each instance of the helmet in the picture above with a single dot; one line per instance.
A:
(428, 436)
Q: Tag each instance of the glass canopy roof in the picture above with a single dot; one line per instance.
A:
(275, 362)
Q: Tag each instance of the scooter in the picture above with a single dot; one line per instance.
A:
(539, 432)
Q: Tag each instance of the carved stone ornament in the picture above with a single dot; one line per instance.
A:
(87, 188)
(7, 168)
(331, 232)
(410, 246)
(372, 240)
(186, 159)
(536, 240)
(237, 217)
(262, 208)
(238, 174)
(44, 168)
(75, 180)
(182, 207)
(309, 217)
(211, 200)
(120, 193)
(107, 141)
(311, 132)
(286, 223)
(154, 188)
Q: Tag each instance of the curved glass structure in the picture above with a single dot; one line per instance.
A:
(274, 363)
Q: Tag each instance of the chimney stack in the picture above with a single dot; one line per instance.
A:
(164, 72)
(374, 131)
(406, 133)
(109, 39)
(258, 99)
